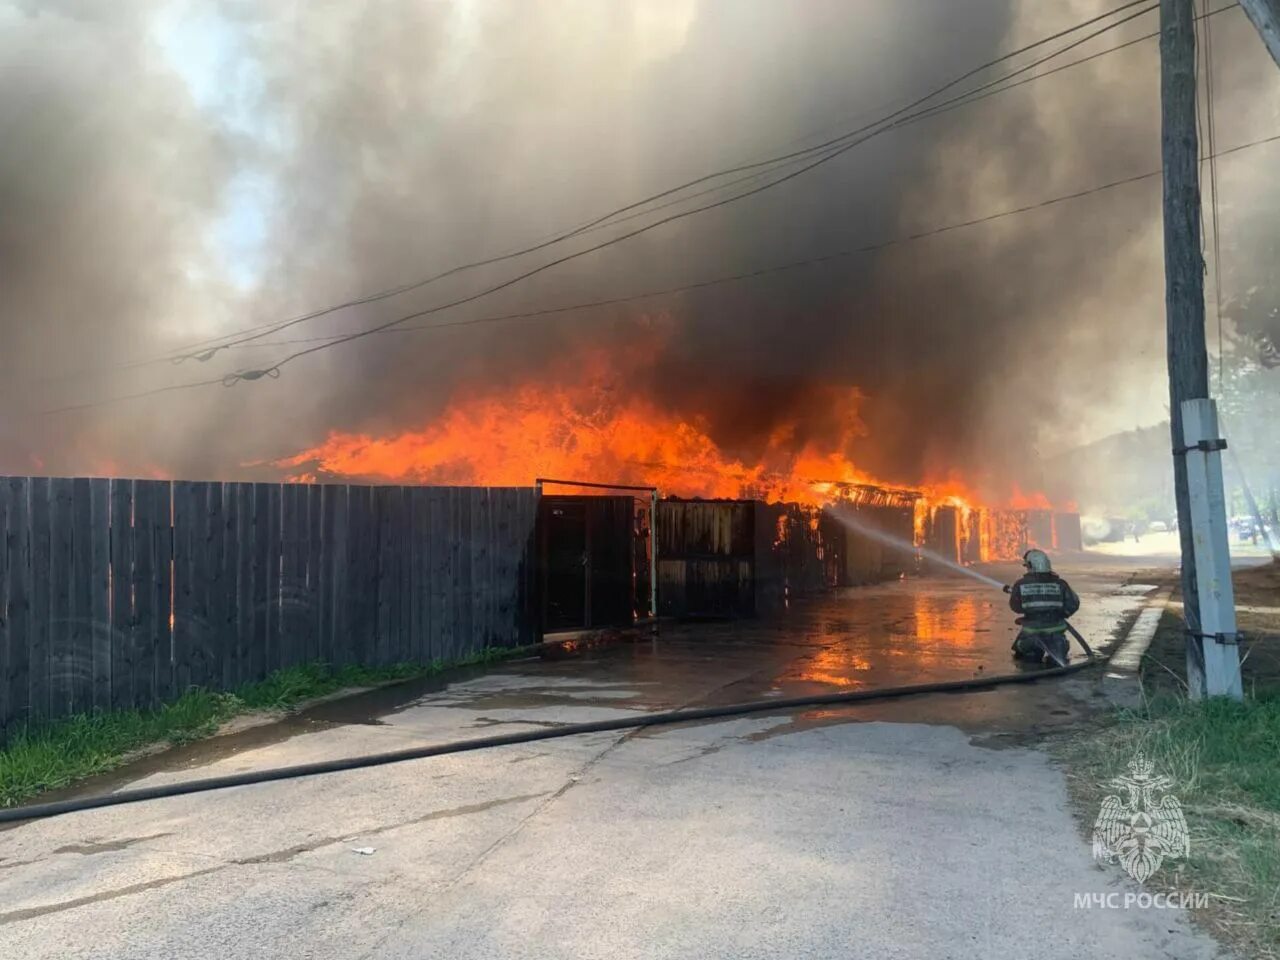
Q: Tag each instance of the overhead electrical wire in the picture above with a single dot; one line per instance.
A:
(729, 171)
(1211, 125)
(830, 155)
(989, 89)
(206, 349)
(790, 265)
(764, 271)
(966, 102)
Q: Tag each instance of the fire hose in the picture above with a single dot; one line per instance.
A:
(59, 807)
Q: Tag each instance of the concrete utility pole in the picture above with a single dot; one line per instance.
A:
(1219, 653)
(1265, 15)
(1188, 356)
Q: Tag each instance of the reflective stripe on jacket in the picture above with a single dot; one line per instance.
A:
(1045, 600)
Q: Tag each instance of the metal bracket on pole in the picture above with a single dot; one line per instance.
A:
(1230, 638)
(1221, 658)
(1204, 446)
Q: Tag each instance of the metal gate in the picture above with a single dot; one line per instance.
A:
(595, 559)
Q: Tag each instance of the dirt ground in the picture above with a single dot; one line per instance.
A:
(1257, 592)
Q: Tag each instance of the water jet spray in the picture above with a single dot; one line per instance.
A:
(851, 520)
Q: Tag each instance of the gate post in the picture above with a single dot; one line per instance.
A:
(653, 555)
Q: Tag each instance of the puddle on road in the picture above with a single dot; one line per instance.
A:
(901, 633)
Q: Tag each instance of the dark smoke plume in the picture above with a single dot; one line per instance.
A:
(385, 141)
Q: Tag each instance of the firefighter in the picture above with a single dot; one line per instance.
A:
(1045, 601)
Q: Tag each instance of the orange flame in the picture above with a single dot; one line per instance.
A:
(595, 430)
(587, 421)
(1028, 501)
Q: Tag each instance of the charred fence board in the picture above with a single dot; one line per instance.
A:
(243, 635)
(340, 584)
(356, 582)
(314, 598)
(82, 612)
(271, 602)
(386, 574)
(462, 594)
(365, 641)
(158, 517)
(120, 593)
(17, 620)
(293, 574)
(447, 533)
(121, 600)
(61, 661)
(6, 648)
(260, 564)
(145, 639)
(436, 564)
(416, 506)
(707, 558)
(152, 590)
(220, 507)
(513, 518)
(100, 589)
(324, 597)
(186, 571)
(41, 685)
(481, 571)
(402, 622)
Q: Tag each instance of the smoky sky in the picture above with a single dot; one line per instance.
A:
(381, 142)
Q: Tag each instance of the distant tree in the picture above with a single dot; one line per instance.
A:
(1249, 403)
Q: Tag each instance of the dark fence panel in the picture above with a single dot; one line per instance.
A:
(124, 593)
(707, 558)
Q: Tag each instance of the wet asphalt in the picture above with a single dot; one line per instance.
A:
(814, 832)
(913, 631)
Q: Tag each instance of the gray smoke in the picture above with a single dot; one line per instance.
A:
(372, 144)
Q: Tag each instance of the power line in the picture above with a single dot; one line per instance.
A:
(206, 349)
(830, 155)
(594, 226)
(811, 261)
(753, 274)
(1083, 60)
(1211, 123)
(793, 155)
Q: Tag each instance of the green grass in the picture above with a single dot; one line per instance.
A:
(1224, 758)
(52, 755)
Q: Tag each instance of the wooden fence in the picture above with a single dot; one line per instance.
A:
(124, 593)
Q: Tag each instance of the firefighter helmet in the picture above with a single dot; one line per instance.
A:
(1036, 561)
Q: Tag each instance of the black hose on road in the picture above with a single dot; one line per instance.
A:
(58, 808)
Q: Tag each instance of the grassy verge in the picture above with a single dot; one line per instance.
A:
(1224, 760)
(52, 755)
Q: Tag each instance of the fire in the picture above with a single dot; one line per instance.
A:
(592, 430)
(1028, 501)
(588, 421)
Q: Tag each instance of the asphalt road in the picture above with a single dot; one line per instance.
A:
(927, 827)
